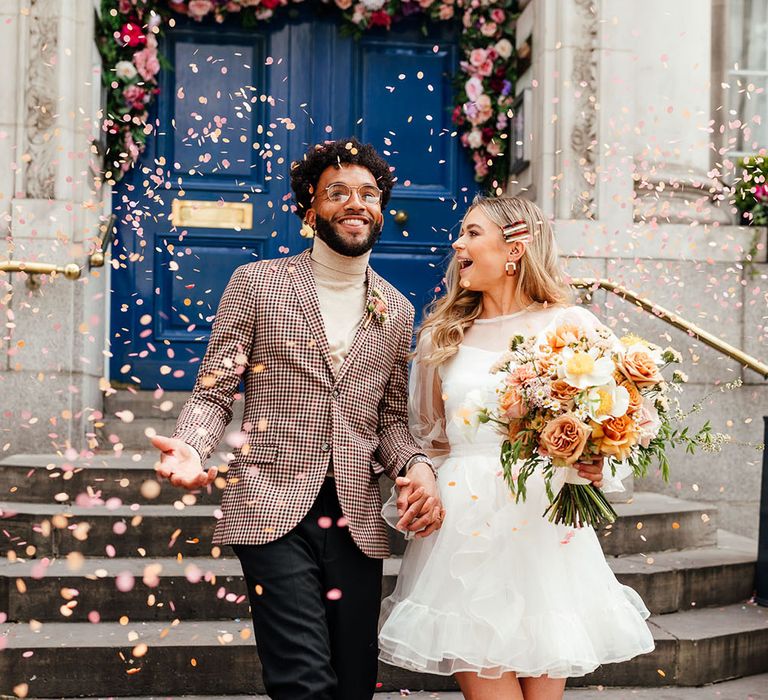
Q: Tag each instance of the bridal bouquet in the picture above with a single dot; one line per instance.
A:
(582, 396)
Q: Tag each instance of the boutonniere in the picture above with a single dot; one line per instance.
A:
(377, 308)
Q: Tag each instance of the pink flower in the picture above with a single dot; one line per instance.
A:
(494, 148)
(484, 110)
(146, 63)
(477, 57)
(424, 4)
(199, 8)
(489, 29)
(474, 88)
(497, 15)
(486, 69)
(481, 165)
(648, 423)
(446, 11)
(135, 96)
(761, 193)
(343, 4)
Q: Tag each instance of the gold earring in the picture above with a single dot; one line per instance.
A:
(511, 265)
(306, 230)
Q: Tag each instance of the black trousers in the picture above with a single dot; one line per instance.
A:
(315, 601)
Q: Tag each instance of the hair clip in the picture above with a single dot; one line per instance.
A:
(516, 231)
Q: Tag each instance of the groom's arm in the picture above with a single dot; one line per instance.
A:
(396, 444)
(207, 412)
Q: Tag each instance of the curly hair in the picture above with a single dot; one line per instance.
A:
(306, 173)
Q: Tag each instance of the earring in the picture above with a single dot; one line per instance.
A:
(510, 268)
(306, 230)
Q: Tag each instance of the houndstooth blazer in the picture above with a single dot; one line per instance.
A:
(298, 416)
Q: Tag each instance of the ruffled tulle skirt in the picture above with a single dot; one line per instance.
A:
(499, 588)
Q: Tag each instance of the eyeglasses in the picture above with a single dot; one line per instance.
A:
(339, 193)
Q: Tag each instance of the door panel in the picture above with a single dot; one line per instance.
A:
(237, 108)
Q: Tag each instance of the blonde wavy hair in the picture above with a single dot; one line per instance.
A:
(539, 277)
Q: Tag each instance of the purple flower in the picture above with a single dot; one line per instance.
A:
(506, 88)
(409, 8)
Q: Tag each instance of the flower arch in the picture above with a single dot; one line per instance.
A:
(128, 33)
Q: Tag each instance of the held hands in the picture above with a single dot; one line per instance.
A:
(418, 502)
(180, 464)
(592, 470)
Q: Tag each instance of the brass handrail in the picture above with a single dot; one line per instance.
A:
(673, 320)
(71, 270)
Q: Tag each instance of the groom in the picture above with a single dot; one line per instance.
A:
(321, 343)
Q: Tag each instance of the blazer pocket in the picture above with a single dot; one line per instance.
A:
(260, 454)
(377, 467)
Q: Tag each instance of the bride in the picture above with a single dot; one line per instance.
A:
(502, 599)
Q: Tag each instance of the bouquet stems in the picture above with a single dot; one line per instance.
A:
(579, 506)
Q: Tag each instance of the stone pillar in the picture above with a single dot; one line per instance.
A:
(53, 336)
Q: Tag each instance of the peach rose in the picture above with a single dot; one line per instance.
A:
(512, 403)
(562, 391)
(635, 397)
(563, 336)
(564, 439)
(616, 436)
(640, 368)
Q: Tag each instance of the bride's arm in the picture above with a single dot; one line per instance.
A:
(426, 408)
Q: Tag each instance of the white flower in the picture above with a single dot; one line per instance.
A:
(679, 377)
(475, 138)
(504, 48)
(125, 70)
(605, 401)
(373, 5)
(583, 369)
(468, 415)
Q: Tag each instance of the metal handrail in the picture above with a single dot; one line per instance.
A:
(673, 320)
(72, 270)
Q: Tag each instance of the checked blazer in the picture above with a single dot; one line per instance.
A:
(298, 416)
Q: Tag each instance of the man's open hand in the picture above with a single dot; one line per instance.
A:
(180, 464)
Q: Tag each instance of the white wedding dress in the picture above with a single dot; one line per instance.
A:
(499, 588)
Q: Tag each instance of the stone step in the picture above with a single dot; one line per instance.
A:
(650, 523)
(210, 589)
(749, 688)
(125, 478)
(145, 404)
(41, 530)
(184, 658)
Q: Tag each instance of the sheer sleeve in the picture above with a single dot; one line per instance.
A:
(426, 409)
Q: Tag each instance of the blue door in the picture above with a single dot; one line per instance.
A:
(212, 191)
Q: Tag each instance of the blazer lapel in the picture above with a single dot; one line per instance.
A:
(306, 290)
(365, 328)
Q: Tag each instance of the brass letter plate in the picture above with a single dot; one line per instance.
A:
(199, 213)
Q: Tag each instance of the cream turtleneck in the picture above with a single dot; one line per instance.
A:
(341, 291)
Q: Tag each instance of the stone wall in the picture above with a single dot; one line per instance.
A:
(50, 207)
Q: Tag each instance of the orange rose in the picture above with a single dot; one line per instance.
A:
(635, 397)
(546, 364)
(563, 439)
(563, 336)
(562, 391)
(640, 368)
(512, 404)
(616, 436)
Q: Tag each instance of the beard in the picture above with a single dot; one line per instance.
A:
(327, 233)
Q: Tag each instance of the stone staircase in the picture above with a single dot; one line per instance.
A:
(109, 586)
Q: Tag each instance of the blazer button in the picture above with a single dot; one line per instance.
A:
(325, 447)
(335, 393)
